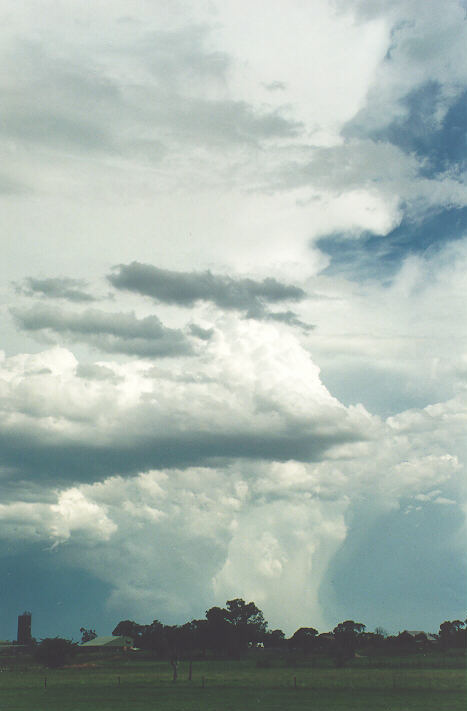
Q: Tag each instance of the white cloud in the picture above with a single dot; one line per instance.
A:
(386, 344)
(427, 45)
(252, 392)
(73, 516)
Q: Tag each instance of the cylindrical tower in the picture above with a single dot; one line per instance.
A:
(24, 628)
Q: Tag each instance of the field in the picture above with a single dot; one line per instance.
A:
(117, 685)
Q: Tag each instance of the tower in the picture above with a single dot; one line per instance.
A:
(24, 628)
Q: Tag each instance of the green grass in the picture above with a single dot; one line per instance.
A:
(228, 699)
(231, 686)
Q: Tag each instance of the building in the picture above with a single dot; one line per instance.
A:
(24, 628)
(122, 642)
(416, 639)
(420, 636)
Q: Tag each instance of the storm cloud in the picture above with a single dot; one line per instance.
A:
(224, 406)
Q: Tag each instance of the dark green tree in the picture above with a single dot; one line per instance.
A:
(304, 639)
(247, 622)
(200, 633)
(55, 652)
(128, 628)
(231, 629)
(217, 632)
(152, 638)
(346, 637)
(452, 634)
(274, 638)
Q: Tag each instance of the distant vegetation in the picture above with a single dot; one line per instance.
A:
(54, 652)
(230, 632)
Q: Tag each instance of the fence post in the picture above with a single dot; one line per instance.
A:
(190, 671)
(202, 682)
(295, 682)
(45, 682)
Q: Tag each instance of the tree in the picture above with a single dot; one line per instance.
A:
(55, 652)
(233, 627)
(346, 636)
(200, 635)
(187, 638)
(274, 639)
(247, 621)
(217, 633)
(128, 628)
(304, 639)
(87, 635)
(381, 632)
(452, 634)
(152, 637)
(240, 613)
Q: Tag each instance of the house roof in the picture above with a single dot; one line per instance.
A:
(420, 633)
(111, 641)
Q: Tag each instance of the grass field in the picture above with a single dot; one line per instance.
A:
(231, 686)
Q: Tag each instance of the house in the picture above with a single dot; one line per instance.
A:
(420, 636)
(111, 643)
(417, 639)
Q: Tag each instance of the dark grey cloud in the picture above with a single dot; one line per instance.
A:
(204, 333)
(57, 288)
(288, 317)
(28, 454)
(259, 313)
(108, 332)
(186, 288)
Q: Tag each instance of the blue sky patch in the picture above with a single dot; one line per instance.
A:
(373, 256)
(61, 599)
(399, 571)
(442, 144)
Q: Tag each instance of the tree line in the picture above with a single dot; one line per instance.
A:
(228, 632)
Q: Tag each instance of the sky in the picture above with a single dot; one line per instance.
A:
(233, 312)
